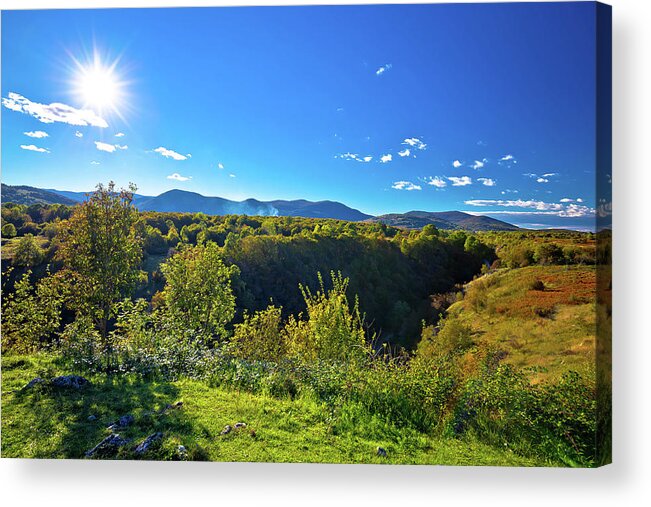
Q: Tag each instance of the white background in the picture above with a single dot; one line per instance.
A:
(626, 482)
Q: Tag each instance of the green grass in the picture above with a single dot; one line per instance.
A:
(46, 423)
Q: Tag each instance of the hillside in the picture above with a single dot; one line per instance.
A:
(444, 220)
(23, 194)
(548, 327)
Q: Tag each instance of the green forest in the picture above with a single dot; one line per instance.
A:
(245, 338)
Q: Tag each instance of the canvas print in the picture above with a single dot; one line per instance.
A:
(336, 234)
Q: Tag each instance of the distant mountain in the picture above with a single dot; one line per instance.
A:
(23, 194)
(81, 196)
(444, 220)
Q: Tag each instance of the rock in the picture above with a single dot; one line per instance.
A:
(382, 452)
(227, 429)
(107, 447)
(69, 381)
(34, 382)
(182, 451)
(148, 443)
(240, 425)
(122, 422)
(91, 418)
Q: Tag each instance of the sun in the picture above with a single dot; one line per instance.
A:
(98, 85)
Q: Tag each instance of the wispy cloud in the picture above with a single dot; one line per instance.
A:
(405, 185)
(231, 175)
(509, 191)
(31, 147)
(549, 175)
(383, 69)
(487, 182)
(55, 112)
(436, 181)
(79, 134)
(415, 142)
(460, 181)
(542, 180)
(94, 162)
(405, 153)
(386, 158)
(119, 134)
(178, 177)
(482, 143)
(39, 134)
(507, 158)
(220, 165)
(456, 164)
(170, 154)
(479, 164)
(110, 148)
(354, 156)
(540, 207)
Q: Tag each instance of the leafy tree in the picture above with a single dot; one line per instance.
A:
(28, 253)
(548, 253)
(30, 314)
(198, 294)
(8, 230)
(101, 249)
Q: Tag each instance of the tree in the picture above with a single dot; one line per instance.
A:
(101, 249)
(260, 336)
(198, 296)
(28, 253)
(8, 230)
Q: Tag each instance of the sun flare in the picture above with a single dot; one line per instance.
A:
(99, 86)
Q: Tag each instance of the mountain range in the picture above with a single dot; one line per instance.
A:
(181, 201)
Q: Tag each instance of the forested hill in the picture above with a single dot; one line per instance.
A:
(30, 195)
(444, 220)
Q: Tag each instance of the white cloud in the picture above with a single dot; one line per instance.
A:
(94, 162)
(549, 175)
(487, 181)
(456, 164)
(121, 146)
(105, 146)
(79, 134)
(404, 153)
(383, 69)
(541, 207)
(178, 177)
(405, 185)
(31, 147)
(478, 164)
(482, 143)
(386, 158)
(170, 153)
(542, 180)
(55, 112)
(354, 156)
(415, 142)
(460, 181)
(220, 165)
(119, 134)
(506, 158)
(579, 200)
(37, 134)
(509, 191)
(231, 175)
(436, 181)
(566, 199)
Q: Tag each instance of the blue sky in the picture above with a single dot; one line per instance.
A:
(487, 108)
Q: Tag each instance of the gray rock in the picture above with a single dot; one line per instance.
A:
(240, 425)
(382, 452)
(182, 451)
(227, 429)
(148, 443)
(122, 422)
(107, 447)
(33, 382)
(69, 381)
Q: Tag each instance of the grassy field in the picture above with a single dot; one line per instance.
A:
(543, 317)
(53, 423)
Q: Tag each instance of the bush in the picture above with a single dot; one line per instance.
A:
(8, 230)
(260, 336)
(538, 285)
(28, 253)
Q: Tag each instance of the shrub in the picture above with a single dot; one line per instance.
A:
(8, 230)
(28, 253)
(260, 336)
(538, 285)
